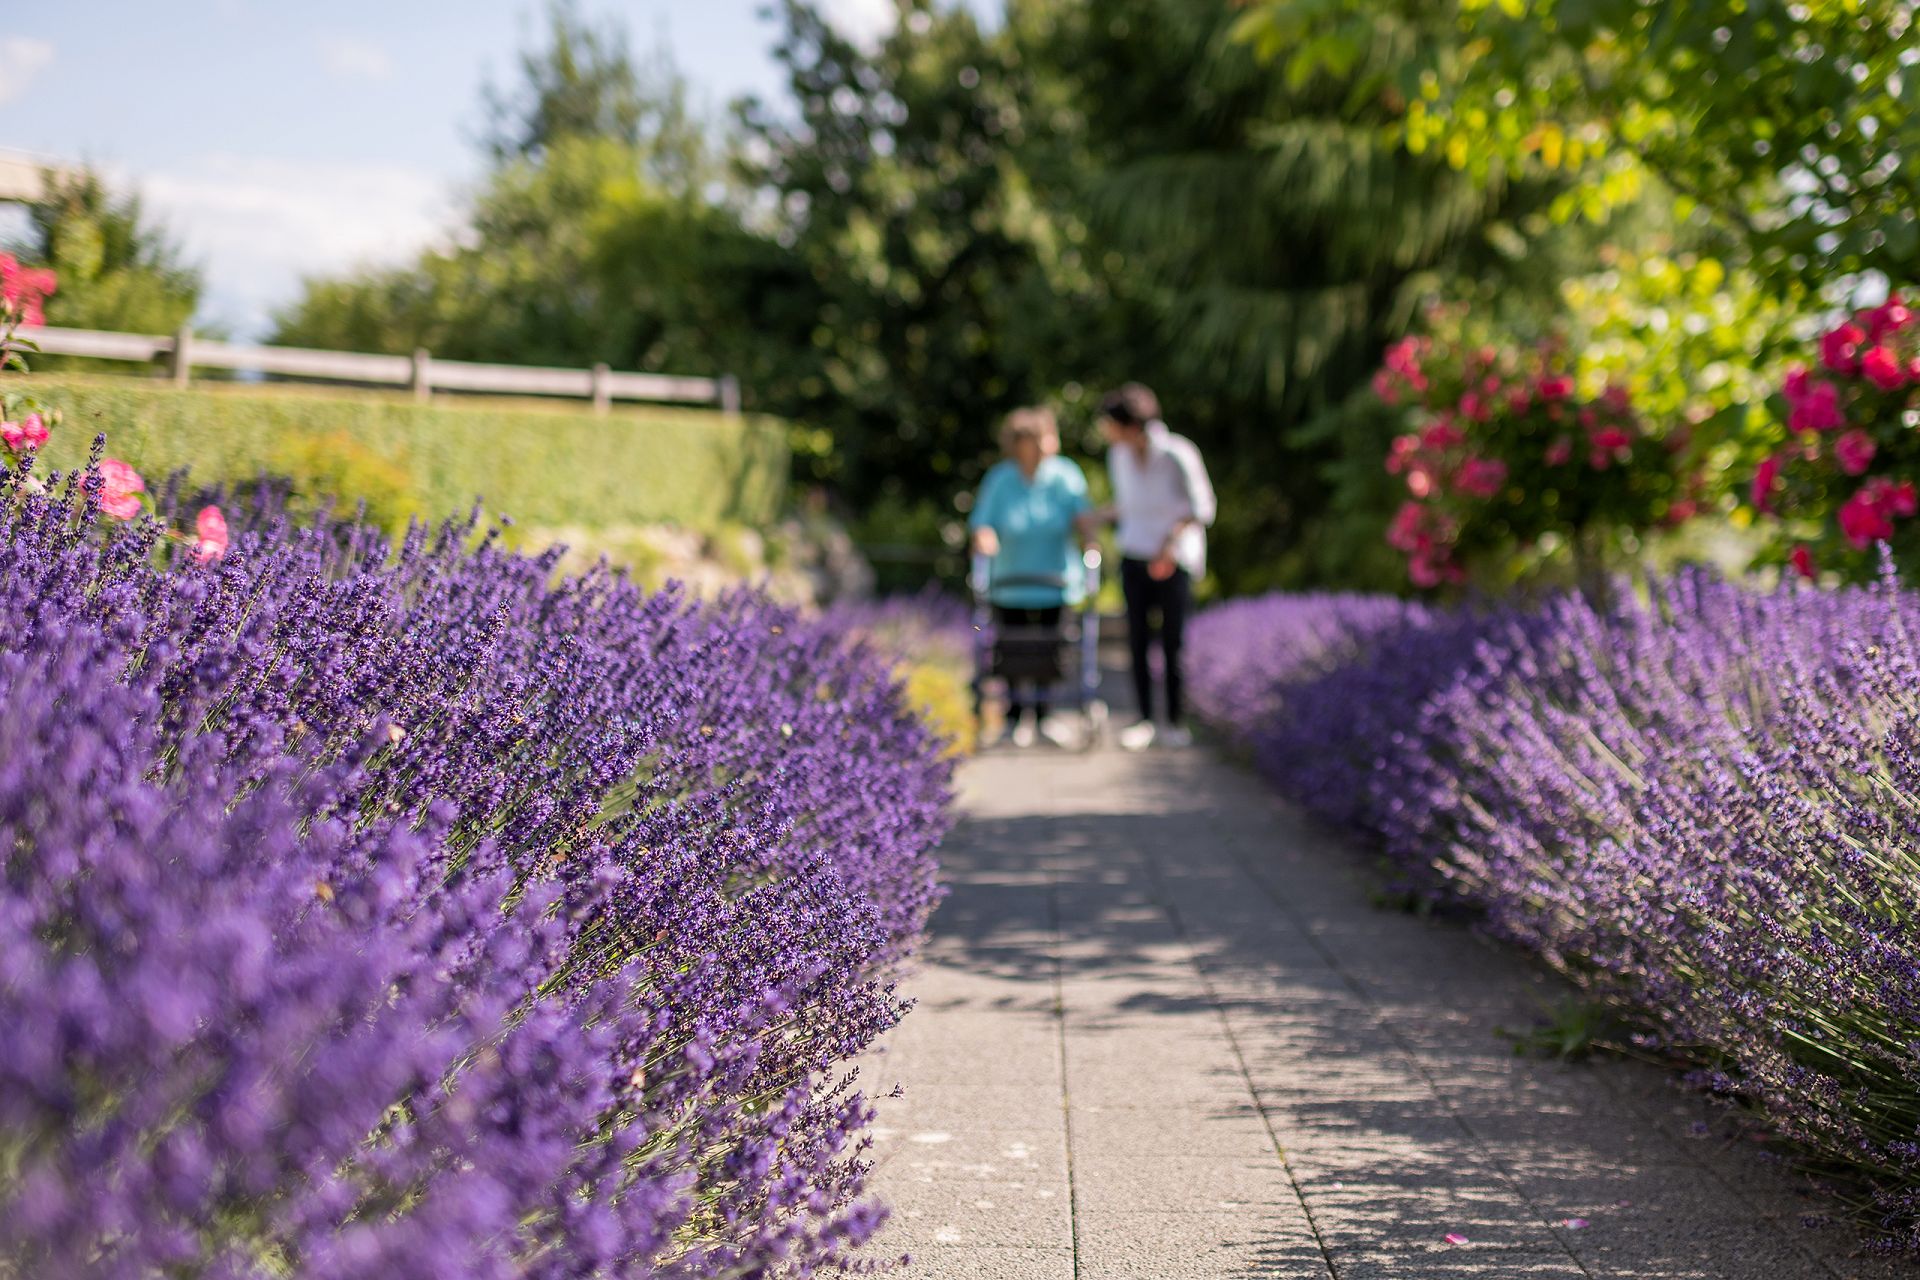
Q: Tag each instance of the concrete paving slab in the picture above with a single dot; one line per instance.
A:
(1196, 1246)
(1163, 1033)
(948, 1262)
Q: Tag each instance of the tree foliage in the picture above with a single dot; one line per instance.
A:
(1272, 238)
(944, 288)
(118, 268)
(603, 233)
(1787, 123)
(1242, 205)
(585, 82)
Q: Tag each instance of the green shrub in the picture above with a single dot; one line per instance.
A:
(338, 467)
(542, 464)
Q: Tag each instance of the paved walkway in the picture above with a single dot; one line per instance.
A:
(1163, 1035)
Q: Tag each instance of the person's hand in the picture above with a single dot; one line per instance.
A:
(1162, 568)
(986, 542)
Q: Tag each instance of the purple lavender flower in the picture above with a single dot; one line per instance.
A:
(399, 910)
(1704, 803)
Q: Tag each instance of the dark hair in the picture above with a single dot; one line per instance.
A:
(1131, 406)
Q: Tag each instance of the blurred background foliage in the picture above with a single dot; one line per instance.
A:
(1241, 204)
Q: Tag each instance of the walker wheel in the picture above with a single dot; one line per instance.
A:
(1096, 726)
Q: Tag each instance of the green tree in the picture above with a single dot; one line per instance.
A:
(584, 82)
(1786, 123)
(942, 286)
(1265, 238)
(117, 268)
(594, 238)
(571, 260)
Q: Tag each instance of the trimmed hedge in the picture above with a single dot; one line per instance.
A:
(540, 464)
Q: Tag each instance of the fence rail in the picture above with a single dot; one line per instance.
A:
(420, 372)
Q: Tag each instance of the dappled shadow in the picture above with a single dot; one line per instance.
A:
(1233, 1003)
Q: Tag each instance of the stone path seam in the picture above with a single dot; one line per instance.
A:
(1246, 1074)
(1410, 1051)
(1066, 1099)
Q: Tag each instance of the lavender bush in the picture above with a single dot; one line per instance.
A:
(930, 638)
(379, 910)
(1706, 803)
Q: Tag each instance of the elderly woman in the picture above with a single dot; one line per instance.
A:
(1029, 517)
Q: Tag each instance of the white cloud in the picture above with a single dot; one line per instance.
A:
(22, 59)
(259, 225)
(865, 22)
(352, 59)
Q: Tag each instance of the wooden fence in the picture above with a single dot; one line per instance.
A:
(419, 372)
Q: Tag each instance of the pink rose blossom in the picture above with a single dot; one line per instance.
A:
(1400, 457)
(1403, 358)
(1766, 478)
(1385, 389)
(212, 528)
(1555, 388)
(1443, 435)
(1864, 519)
(1481, 477)
(1883, 369)
(1799, 382)
(23, 289)
(1840, 349)
(28, 433)
(1818, 410)
(120, 486)
(1901, 498)
(1802, 562)
(1611, 439)
(1889, 317)
(1854, 452)
(1560, 452)
(1406, 533)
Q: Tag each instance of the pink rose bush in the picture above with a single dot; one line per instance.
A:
(1845, 473)
(1505, 451)
(23, 293)
(118, 491)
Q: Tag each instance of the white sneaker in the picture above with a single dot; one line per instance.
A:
(1023, 735)
(1176, 736)
(1055, 730)
(1139, 736)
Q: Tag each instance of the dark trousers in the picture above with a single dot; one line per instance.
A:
(1170, 600)
(1028, 661)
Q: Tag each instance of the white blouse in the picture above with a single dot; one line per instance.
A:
(1153, 495)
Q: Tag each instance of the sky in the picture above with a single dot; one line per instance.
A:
(285, 138)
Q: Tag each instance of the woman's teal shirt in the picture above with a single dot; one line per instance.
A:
(1034, 520)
